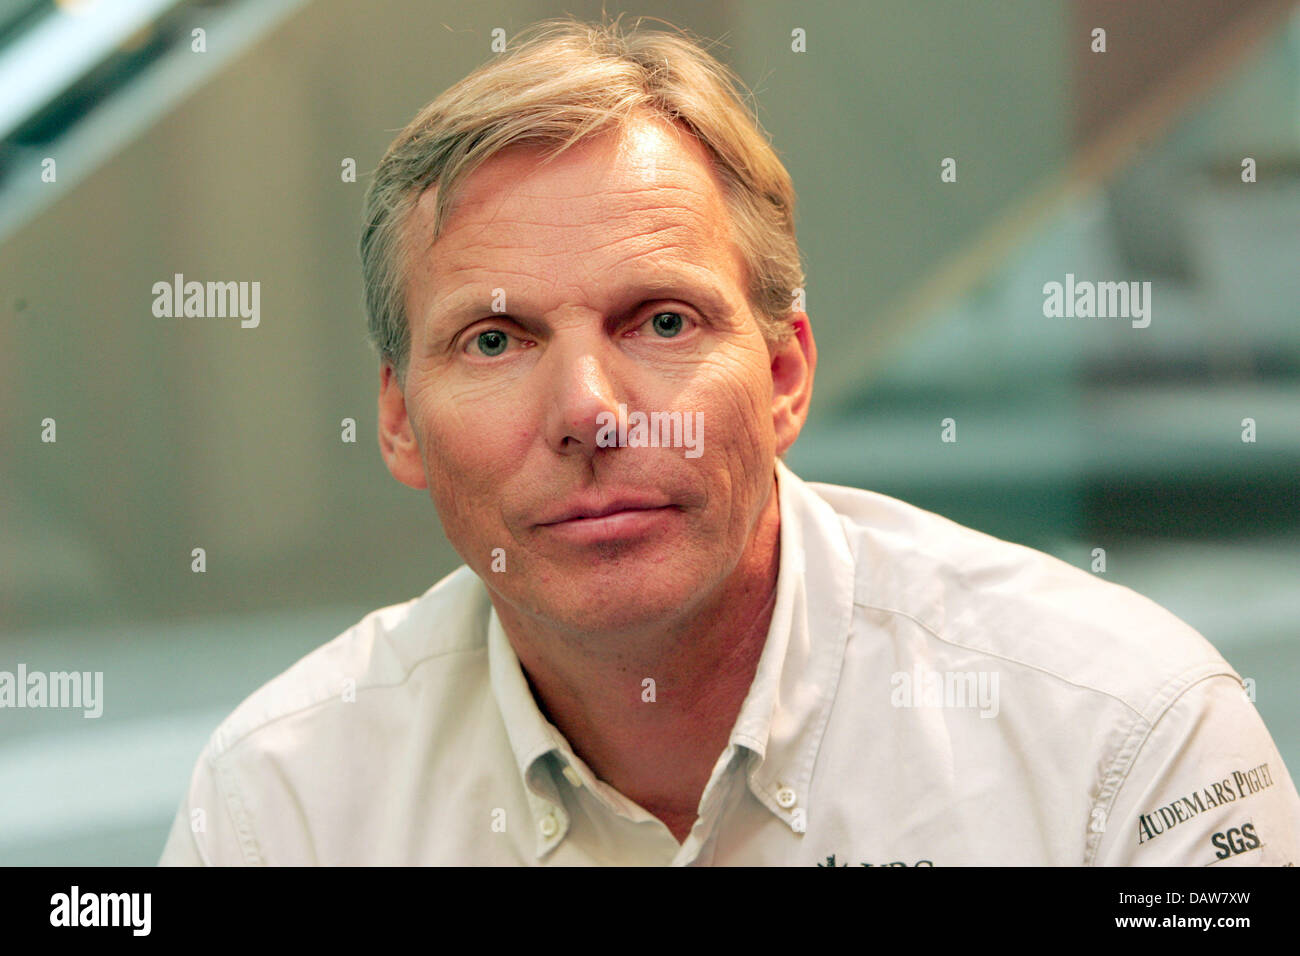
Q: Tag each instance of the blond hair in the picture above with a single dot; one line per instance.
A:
(560, 82)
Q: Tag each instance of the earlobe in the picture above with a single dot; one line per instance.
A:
(397, 442)
(793, 364)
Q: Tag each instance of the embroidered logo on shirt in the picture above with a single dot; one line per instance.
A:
(1229, 843)
(1242, 784)
(830, 861)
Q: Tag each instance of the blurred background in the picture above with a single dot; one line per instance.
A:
(224, 163)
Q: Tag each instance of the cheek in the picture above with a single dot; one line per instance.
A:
(737, 402)
(470, 458)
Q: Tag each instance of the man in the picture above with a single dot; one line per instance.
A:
(665, 648)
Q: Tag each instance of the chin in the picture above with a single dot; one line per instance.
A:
(625, 609)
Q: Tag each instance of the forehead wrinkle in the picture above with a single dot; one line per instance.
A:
(683, 216)
(470, 255)
(617, 188)
(611, 187)
(694, 257)
(677, 257)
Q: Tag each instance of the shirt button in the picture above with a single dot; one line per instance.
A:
(549, 825)
(786, 797)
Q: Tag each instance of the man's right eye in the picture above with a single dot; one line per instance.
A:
(491, 342)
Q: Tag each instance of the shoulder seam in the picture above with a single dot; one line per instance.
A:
(1125, 758)
(224, 747)
(980, 650)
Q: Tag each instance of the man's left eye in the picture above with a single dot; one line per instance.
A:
(491, 342)
(667, 324)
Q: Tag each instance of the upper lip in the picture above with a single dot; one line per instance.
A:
(589, 507)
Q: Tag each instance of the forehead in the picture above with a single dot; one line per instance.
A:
(641, 197)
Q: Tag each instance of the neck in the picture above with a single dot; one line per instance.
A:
(658, 752)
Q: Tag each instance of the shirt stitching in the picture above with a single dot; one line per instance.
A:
(248, 844)
(226, 746)
(1126, 758)
(988, 653)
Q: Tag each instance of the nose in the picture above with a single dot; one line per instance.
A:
(581, 380)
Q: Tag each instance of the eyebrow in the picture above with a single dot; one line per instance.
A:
(639, 289)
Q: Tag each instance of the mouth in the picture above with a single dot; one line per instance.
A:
(592, 510)
(612, 522)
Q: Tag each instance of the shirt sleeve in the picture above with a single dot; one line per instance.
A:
(1206, 788)
(204, 831)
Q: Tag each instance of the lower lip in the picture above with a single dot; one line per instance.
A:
(619, 526)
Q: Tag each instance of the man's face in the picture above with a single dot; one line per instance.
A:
(556, 293)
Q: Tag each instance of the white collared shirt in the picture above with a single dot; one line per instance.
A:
(928, 695)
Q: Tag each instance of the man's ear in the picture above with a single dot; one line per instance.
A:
(793, 365)
(396, 435)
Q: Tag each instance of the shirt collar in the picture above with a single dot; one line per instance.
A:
(784, 715)
(531, 736)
